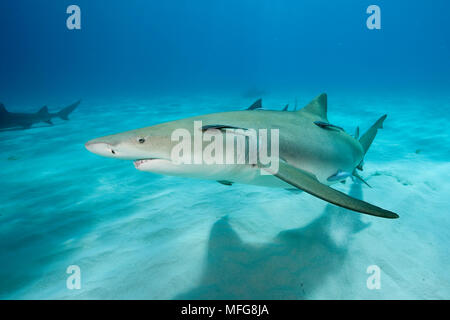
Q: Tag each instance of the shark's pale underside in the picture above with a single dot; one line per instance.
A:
(313, 154)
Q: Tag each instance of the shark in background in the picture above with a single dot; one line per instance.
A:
(26, 120)
(313, 153)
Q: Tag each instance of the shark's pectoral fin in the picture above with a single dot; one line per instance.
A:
(49, 122)
(308, 183)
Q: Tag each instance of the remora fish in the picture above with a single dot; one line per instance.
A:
(26, 120)
(310, 150)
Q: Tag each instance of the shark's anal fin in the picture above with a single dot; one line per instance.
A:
(326, 125)
(220, 127)
(225, 182)
(256, 105)
(306, 182)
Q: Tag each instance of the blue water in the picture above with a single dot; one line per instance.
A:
(146, 236)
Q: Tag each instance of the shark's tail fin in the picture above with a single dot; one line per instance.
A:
(367, 138)
(64, 113)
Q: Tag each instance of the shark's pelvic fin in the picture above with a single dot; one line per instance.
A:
(317, 107)
(256, 105)
(367, 138)
(306, 182)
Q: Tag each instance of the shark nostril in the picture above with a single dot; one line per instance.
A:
(113, 152)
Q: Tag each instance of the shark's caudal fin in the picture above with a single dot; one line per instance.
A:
(367, 138)
(64, 113)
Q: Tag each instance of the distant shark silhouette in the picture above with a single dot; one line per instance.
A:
(292, 266)
(26, 120)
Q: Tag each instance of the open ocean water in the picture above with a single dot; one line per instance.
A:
(138, 235)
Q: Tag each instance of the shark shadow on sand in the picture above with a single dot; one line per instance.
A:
(292, 266)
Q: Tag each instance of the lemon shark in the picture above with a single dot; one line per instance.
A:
(313, 153)
(26, 120)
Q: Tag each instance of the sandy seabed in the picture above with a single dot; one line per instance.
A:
(138, 235)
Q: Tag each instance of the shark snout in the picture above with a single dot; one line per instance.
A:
(100, 148)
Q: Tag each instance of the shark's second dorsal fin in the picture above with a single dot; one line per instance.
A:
(256, 105)
(317, 107)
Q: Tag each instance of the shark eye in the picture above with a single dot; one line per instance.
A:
(141, 140)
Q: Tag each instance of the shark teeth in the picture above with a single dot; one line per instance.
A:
(137, 163)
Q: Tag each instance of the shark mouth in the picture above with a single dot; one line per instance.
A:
(138, 163)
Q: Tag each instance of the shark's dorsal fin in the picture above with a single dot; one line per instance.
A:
(317, 107)
(256, 105)
(2, 108)
(43, 110)
(285, 108)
